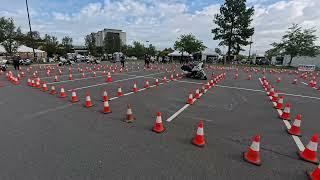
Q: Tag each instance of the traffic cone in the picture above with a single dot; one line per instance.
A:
(38, 85)
(279, 103)
(105, 96)
(190, 99)
(74, 97)
(83, 75)
(130, 116)
(295, 128)
(275, 97)
(197, 95)
(56, 79)
(29, 82)
(88, 100)
(156, 82)
(120, 92)
(249, 77)
(62, 93)
(278, 80)
(271, 93)
(106, 107)
(314, 175)
(44, 87)
(286, 112)
(53, 90)
(253, 154)
(147, 86)
(70, 77)
(203, 89)
(310, 152)
(236, 76)
(158, 126)
(109, 79)
(199, 140)
(135, 89)
(171, 77)
(94, 74)
(164, 80)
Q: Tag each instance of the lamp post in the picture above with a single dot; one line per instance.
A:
(31, 36)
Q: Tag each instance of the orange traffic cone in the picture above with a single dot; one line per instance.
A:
(253, 153)
(190, 99)
(29, 82)
(171, 77)
(294, 81)
(278, 80)
(314, 175)
(156, 82)
(62, 93)
(94, 74)
(158, 126)
(249, 77)
(279, 103)
(199, 140)
(310, 152)
(119, 92)
(286, 112)
(130, 116)
(295, 128)
(275, 97)
(197, 95)
(44, 87)
(147, 86)
(105, 96)
(56, 79)
(109, 79)
(164, 80)
(70, 77)
(53, 90)
(135, 89)
(88, 100)
(74, 97)
(106, 107)
(38, 85)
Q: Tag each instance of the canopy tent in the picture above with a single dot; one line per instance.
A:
(177, 53)
(209, 52)
(26, 52)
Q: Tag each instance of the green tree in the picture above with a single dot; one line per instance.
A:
(189, 43)
(138, 49)
(90, 42)
(9, 35)
(151, 50)
(66, 44)
(218, 51)
(165, 52)
(233, 23)
(50, 45)
(296, 42)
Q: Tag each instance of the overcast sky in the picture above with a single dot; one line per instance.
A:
(158, 21)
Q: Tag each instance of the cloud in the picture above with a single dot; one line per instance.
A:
(162, 21)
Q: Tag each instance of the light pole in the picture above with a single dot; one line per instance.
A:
(31, 36)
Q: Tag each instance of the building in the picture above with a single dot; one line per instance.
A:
(112, 34)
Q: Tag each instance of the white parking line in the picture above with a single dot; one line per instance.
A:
(101, 84)
(288, 126)
(81, 79)
(255, 90)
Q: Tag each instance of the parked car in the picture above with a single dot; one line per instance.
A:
(3, 65)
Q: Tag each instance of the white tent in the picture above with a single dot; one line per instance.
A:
(22, 49)
(177, 53)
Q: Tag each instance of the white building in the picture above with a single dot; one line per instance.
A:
(100, 35)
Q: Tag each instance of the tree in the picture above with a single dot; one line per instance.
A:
(165, 52)
(66, 44)
(218, 51)
(50, 45)
(9, 35)
(138, 49)
(151, 50)
(189, 43)
(233, 23)
(296, 42)
(90, 42)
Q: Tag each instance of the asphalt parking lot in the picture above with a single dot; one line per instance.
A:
(47, 137)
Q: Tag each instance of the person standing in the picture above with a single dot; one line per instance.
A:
(16, 62)
(122, 60)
